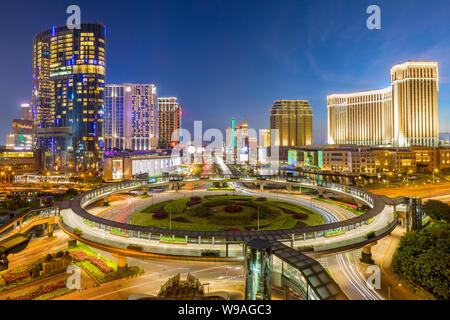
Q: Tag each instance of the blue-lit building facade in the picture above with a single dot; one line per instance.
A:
(68, 96)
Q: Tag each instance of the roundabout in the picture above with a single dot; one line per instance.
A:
(224, 212)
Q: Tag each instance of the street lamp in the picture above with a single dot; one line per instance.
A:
(435, 171)
(407, 176)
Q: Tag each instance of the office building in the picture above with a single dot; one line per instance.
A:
(169, 121)
(402, 115)
(293, 119)
(21, 136)
(68, 96)
(131, 117)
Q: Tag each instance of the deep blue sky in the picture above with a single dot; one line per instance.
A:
(226, 58)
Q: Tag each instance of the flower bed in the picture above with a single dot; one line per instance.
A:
(10, 277)
(233, 230)
(159, 215)
(46, 290)
(233, 209)
(100, 264)
(300, 216)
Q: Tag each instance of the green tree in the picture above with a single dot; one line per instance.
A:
(437, 209)
(423, 257)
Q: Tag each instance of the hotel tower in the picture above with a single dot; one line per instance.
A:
(131, 117)
(403, 114)
(68, 96)
(169, 121)
(293, 119)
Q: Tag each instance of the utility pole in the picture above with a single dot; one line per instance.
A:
(170, 218)
(258, 218)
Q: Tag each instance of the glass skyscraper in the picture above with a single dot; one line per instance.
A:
(68, 96)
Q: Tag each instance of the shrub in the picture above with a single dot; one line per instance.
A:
(77, 231)
(370, 234)
(210, 253)
(300, 216)
(159, 215)
(233, 209)
(201, 212)
(175, 206)
(266, 212)
(59, 254)
(196, 198)
(261, 199)
(49, 257)
(215, 203)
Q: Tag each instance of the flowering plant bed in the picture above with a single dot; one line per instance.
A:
(14, 277)
(45, 291)
(100, 264)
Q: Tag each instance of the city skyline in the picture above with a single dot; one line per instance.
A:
(266, 72)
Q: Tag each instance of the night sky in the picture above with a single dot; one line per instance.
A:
(225, 58)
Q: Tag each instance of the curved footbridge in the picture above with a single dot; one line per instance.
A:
(311, 279)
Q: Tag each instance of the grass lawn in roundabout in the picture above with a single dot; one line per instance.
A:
(226, 213)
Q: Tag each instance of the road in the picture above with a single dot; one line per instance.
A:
(342, 267)
(437, 191)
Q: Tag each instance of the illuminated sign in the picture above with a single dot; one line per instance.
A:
(293, 157)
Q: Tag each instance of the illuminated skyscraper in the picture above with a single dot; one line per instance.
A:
(131, 117)
(404, 114)
(68, 95)
(21, 137)
(169, 119)
(293, 119)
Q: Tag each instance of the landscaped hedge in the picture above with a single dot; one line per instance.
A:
(210, 253)
(215, 203)
(266, 212)
(230, 219)
(201, 212)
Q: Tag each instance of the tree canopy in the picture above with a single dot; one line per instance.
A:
(423, 257)
(437, 210)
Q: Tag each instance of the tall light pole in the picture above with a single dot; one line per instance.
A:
(258, 218)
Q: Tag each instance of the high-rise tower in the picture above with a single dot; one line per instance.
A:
(68, 96)
(131, 117)
(293, 119)
(169, 120)
(404, 114)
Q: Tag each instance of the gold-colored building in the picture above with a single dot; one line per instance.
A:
(402, 115)
(293, 119)
(169, 120)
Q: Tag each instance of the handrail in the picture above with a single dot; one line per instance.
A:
(375, 203)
